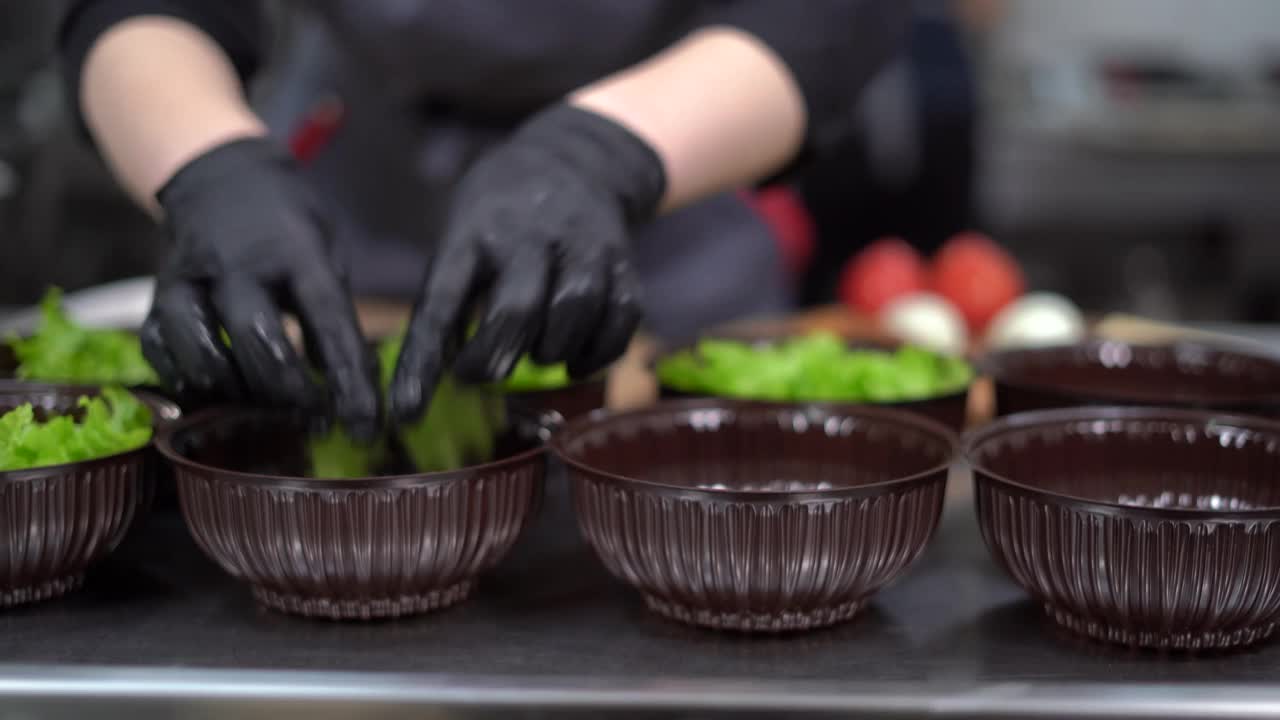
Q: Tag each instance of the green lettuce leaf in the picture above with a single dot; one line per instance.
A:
(113, 422)
(459, 428)
(62, 350)
(529, 375)
(336, 454)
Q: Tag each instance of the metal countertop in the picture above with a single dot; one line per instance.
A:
(158, 631)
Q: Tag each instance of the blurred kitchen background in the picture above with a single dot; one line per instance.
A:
(1126, 151)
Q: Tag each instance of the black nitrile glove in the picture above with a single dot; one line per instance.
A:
(252, 240)
(537, 239)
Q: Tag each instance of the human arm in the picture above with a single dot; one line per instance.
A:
(719, 108)
(159, 87)
(156, 83)
(762, 81)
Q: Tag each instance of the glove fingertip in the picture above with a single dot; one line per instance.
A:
(358, 412)
(584, 370)
(406, 403)
(542, 355)
(477, 365)
(154, 351)
(159, 360)
(319, 424)
(363, 428)
(610, 345)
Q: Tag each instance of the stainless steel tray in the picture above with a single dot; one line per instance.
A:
(159, 632)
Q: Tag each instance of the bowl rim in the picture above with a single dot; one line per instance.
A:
(975, 438)
(164, 444)
(960, 394)
(154, 402)
(945, 435)
(993, 364)
(666, 350)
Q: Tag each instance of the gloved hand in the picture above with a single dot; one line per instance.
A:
(250, 239)
(537, 237)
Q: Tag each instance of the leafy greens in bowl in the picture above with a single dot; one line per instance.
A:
(74, 473)
(529, 376)
(458, 429)
(109, 423)
(812, 368)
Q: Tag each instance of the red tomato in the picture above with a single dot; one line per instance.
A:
(978, 276)
(885, 270)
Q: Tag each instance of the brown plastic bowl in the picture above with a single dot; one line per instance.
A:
(347, 549)
(157, 480)
(56, 521)
(757, 517)
(951, 409)
(1148, 527)
(1105, 372)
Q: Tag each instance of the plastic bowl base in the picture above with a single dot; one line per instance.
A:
(49, 589)
(1187, 641)
(755, 622)
(363, 608)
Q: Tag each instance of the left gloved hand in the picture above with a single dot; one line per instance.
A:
(537, 230)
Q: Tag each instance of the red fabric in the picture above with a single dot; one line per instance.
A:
(785, 213)
(316, 130)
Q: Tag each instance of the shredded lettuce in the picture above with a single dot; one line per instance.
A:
(812, 368)
(460, 425)
(62, 350)
(458, 429)
(110, 423)
(529, 375)
(336, 454)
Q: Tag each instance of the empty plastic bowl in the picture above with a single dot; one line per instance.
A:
(757, 517)
(1148, 527)
(1106, 372)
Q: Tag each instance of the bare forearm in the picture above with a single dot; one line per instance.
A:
(156, 92)
(719, 108)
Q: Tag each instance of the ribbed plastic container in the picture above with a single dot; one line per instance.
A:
(757, 517)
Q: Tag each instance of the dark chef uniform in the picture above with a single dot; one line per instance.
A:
(429, 84)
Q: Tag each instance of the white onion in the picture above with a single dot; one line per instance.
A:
(1037, 320)
(928, 320)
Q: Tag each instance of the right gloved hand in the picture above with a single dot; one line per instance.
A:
(251, 239)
